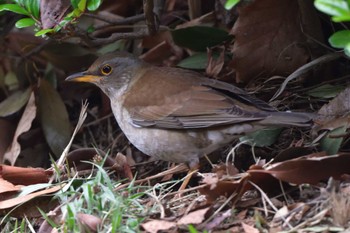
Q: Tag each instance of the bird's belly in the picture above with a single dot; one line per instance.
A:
(171, 145)
(180, 146)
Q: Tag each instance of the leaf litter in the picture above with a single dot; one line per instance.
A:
(286, 194)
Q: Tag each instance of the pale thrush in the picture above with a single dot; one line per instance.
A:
(179, 115)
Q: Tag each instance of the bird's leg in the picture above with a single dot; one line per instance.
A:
(188, 178)
(194, 167)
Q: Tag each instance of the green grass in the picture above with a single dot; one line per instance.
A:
(118, 211)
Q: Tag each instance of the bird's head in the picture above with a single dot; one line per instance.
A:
(111, 72)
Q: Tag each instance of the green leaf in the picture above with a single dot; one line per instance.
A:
(340, 39)
(26, 22)
(82, 5)
(199, 38)
(325, 91)
(44, 32)
(196, 61)
(14, 102)
(264, 137)
(33, 6)
(74, 3)
(342, 18)
(230, 4)
(53, 117)
(93, 5)
(333, 7)
(14, 8)
(331, 143)
(347, 50)
(75, 13)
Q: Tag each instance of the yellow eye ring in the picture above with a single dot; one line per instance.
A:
(106, 69)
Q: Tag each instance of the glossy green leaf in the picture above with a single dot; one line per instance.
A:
(230, 4)
(44, 32)
(33, 6)
(332, 141)
(196, 61)
(14, 8)
(347, 50)
(93, 5)
(82, 5)
(264, 137)
(340, 39)
(199, 38)
(14, 102)
(53, 117)
(333, 7)
(74, 3)
(325, 91)
(342, 18)
(26, 22)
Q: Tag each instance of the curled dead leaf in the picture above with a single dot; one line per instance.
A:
(88, 222)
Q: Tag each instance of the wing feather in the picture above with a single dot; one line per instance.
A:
(190, 101)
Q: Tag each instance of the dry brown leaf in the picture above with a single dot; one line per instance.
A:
(268, 40)
(339, 106)
(249, 229)
(195, 217)
(308, 169)
(22, 199)
(335, 114)
(6, 186)
(7, 130)
(23, 126)
(154, 226)
(218, 219)
(223, 188)
(215, 66)
(89, 222)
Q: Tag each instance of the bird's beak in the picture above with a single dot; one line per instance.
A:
(83, 77)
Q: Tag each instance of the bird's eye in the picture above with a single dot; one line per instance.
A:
(106, 69)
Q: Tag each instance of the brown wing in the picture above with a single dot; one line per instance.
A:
(184, 99)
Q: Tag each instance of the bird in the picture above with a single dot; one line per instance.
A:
(179, 115)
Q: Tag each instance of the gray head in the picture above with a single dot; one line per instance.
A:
(110, 72)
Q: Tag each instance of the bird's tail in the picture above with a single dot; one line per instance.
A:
(289, 119)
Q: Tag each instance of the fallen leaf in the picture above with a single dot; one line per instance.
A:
(14, 102)
(272, 46)
(308, 169)
(335, 114)
(249, 229)
(194, 217)
(6, 186)
(54, 118)
(154, 226)
(89, 223)
(7, 130)
(22, 199)
(23, 126)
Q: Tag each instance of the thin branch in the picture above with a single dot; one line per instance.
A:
(151, 18)
(128, 20)
(119, 36)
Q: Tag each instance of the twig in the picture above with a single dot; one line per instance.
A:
(151, 18)
(64, 154)
(305, 68)
(119, 36)
(128, 20)
(179, 168)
